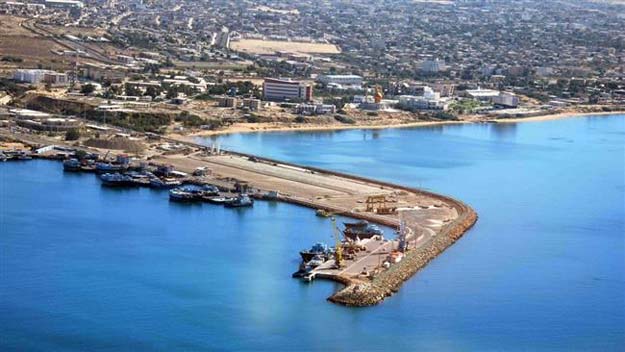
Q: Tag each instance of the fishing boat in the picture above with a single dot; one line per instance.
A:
(317, 249)
(316, 261)
(71, 165)
(360, 230)
(189, 193)
(179, 195)
(140, 178)
(104, 168)
(164, 183)
(210, 190)
(116, 180)
(242, 200)
(217, 199)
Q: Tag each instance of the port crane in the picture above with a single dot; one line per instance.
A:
(338, 245)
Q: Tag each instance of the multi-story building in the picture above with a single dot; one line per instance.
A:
(286, 89)
(29, 76)
(430, 100)
(222, 38)
(56, 79)
(445, 89)
(103, 72)
(53, 78)
(506, 99)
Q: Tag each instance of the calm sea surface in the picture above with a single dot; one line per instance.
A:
(84, 267)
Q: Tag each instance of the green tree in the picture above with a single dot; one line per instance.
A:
(87, 89)
(72, 135)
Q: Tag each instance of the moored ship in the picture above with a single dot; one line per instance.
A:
(318, 249)
(103, 168)
(242, 200)
(116, 180)
(360, 230)
(164, 183)
(71, 165)
(189, 193)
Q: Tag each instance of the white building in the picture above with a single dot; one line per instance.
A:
(430, 100)
(286, 89)
(315, 109)
(29, 76)
(341, 81)
(482, 94)
(64, 3)
(53, 78)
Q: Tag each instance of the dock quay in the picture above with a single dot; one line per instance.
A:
(435, 221)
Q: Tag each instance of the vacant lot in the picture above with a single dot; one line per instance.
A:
(258, 46)
(17, 42)
(10, 25)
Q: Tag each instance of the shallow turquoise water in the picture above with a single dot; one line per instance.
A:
(88, 268)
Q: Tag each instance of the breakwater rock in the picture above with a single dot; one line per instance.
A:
(360, 293)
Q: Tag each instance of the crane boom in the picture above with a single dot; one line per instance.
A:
(338, 246)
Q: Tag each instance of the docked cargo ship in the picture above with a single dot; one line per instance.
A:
(318, 248)
(361, 230)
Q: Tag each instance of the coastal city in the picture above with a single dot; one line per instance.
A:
(191, 68)
(171, 100)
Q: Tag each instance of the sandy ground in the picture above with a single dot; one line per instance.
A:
(563, 115)
(281, 127)
(258, 46)
(17, 41)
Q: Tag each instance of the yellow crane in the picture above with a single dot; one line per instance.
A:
(338, 245)
(377, 97)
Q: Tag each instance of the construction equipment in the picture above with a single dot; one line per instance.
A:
(338, 245)
(379, 204)
(403, 232)
(408, 229)
(377, 97)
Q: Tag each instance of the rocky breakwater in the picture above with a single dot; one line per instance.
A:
(366, 292)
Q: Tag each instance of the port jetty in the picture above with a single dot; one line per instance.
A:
(370, 269)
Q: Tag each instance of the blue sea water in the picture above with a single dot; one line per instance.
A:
(84, 267)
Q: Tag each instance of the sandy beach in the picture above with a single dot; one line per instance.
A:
(293, 127)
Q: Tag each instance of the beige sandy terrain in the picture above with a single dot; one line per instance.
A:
(279, 126)
(258, 46)
(17, 41)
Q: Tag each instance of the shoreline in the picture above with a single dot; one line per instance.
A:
(277, 127)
